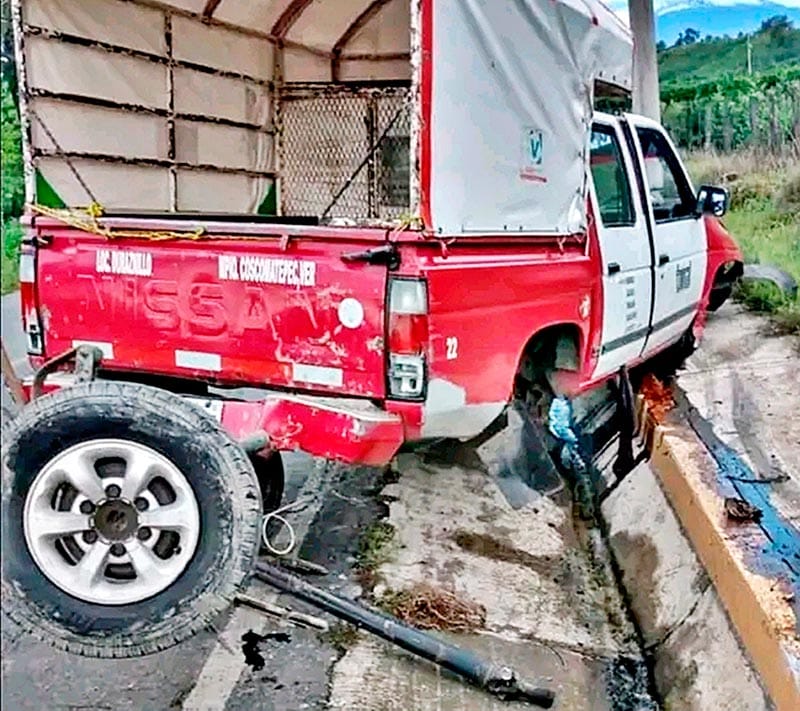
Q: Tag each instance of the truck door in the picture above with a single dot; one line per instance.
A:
(626, 254)
(679, 235)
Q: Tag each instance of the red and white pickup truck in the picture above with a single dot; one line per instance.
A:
(546, 245)
(363, 339)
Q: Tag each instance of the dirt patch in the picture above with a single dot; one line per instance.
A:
(658, 396)
(431, 608)
(490, 547)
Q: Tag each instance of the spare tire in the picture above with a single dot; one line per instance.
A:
(130, 520)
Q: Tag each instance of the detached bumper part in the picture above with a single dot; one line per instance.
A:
(350, 431)
(344, 429)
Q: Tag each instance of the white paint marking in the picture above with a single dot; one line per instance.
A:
(317, 374)
(198, 361)
(27, 269)
(105, 347)
(222, 669)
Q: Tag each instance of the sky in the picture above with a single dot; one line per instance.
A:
(621, 6)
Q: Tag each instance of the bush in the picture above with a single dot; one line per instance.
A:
(762, 297)
(13, 183)
(9, 256)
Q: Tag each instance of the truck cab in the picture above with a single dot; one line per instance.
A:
(662, 247)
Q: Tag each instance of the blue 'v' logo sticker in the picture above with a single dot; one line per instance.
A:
(535, 139)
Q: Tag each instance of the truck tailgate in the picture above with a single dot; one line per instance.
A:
(257, 310)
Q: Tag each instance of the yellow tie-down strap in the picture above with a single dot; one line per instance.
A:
(86, 219)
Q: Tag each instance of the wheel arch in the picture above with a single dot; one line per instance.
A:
(551, 348)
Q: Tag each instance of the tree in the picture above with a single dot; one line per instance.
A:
(661, 46)
(7, 39)
(777, 24)
(13, 183)
(689, 36)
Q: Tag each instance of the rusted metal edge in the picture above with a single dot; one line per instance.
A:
(144, 109)
(165, 59)
(210, 8)
(151, 162)
(352, 30)
(171, 135)
(288, 17)
(232, 26)
(306, 90)
(24, 113)
(754, 602)
(372, 57)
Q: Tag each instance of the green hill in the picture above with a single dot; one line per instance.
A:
(711, 58)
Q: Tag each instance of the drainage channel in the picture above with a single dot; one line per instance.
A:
(693, 654)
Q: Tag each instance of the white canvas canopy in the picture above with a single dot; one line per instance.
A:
(276, 106)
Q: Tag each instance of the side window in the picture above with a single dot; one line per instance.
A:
(610, 179)
(670, 194)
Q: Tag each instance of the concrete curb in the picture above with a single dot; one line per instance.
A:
(758, 602)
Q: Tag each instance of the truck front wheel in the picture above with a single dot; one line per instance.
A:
(129, 519)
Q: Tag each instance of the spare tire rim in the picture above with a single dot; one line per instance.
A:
(111, 522)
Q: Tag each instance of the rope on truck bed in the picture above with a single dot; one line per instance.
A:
(86, 220)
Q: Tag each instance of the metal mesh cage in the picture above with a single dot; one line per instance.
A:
(344, 151)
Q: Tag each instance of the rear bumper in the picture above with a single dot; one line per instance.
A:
(346, 430)
(350, 431)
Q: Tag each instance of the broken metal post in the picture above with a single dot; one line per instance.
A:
(496, 679)
(12, 381)
(627, 425)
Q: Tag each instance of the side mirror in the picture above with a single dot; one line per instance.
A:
(712, 200)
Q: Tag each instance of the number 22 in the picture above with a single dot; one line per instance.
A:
(452, 348)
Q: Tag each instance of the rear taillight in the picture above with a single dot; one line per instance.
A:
(408, 337)
(27, 292)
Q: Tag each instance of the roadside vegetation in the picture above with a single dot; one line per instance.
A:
(764, 218)
(733, 105)
(374, 549)
(694, 58)
(13, 192)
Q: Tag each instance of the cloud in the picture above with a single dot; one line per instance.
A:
(620, 7)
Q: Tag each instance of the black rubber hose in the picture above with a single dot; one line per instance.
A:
(496, 679)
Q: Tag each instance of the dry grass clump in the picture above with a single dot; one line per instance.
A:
(431, 608)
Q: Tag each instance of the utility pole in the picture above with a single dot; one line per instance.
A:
(645, 62)
(749, 55)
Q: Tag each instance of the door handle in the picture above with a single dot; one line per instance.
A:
(613, 268)
(662, 259)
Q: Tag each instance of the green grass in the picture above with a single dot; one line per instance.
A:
(768, 236)
(765, 221)
(374, 546)
(9, 271)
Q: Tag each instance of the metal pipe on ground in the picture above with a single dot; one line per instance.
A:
(499, 680)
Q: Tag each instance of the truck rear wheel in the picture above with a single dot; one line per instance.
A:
(129, 519)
